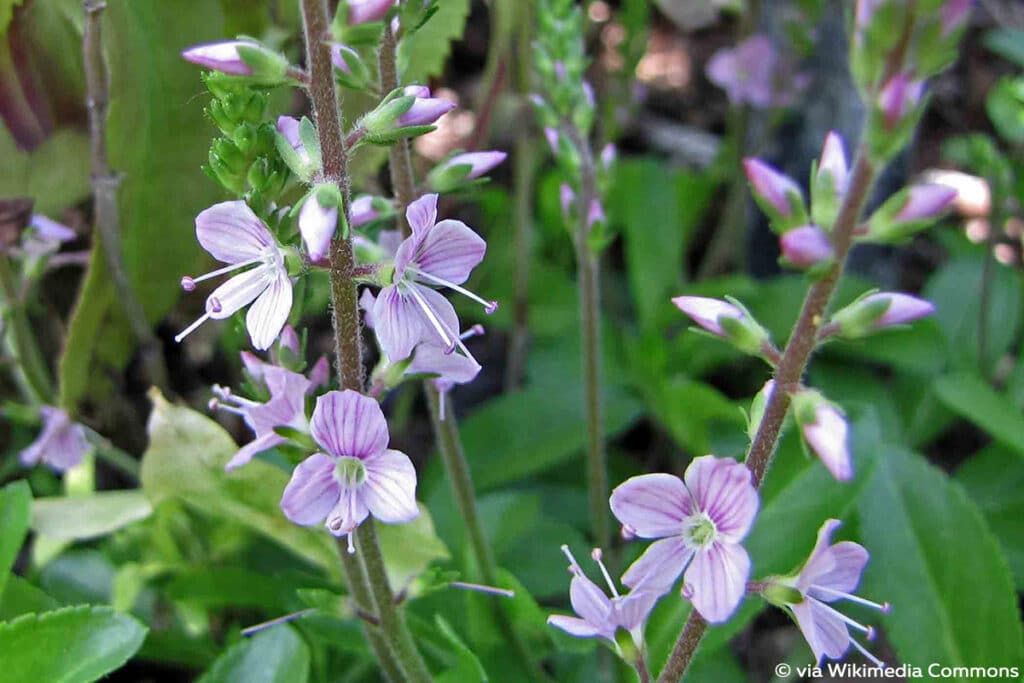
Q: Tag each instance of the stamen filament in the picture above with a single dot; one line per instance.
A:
(227, 269)
(489, 306)
(596, 555)
(446, 337)
(867, 655)
(572, 560)
(191, 328)
(867, 630)
(884, 607)
(491, 590)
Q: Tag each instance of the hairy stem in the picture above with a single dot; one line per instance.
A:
(104, 191)
(392, 643)
(802, 342)
(588, 272)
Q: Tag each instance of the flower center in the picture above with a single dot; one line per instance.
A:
(349, 472)
(700, 530)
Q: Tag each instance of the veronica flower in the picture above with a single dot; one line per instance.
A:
(357, 476)
(443, 254)
(222, 56)
(831, 573)
(700, 523)
(362, 211)
(806, 246)
(746, 72)
(61, 444)
(233, 234)
(45, 236)
(286, 408)
(599, 615)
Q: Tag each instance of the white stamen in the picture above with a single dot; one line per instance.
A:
(491, 590)
(883, 607)
(191, 328)
(595, 554)
(574, 566)
(220, 271)
(867, 630)
(489, 306)
(446, 337)
(867, 655)
(351, 544)
(442, 397)
(475, 331)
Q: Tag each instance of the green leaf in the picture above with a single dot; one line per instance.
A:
(55, 174)
(157, 138)
(276, 655)
(410, 548)
(185, 461)
(973, 399)
(994, 479)
(80, 518)
(467, 668)
(1008, 43)
(21, 597)
(71, 645)
(1005, 106)
(423, 54)
(15, 502)
(934, 557)
(231, 587)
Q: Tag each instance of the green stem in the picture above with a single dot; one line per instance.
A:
(30, 371)
(788, 373)
(359, 590)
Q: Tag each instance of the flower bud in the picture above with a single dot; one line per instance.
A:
(725, 319)
(908, 211)
(609, 153)
(777, 194)
(349, 68)
(405, 112)
(318, 220)
(879, 311)
(365, 11)
(954, 15)
(830, 181)
(825, 431)
(899, 97)
(463, 168)
(298, 146)
(926, 202)
(806, 246)
(425, 110)
(366, 209)
(240, 58)
(566, 198)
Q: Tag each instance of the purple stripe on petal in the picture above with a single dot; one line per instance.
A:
(390, 487)
(590, 602)
(267, 316)
(824, 631)
(231, 232)
(312, 491)
(717, 580)
(346, 423)
(450, 251)
(237, 292)
(651, 505)
(398, 323)
(724, 491)
(659, 567)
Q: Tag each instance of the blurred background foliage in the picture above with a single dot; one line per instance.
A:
(195, 555)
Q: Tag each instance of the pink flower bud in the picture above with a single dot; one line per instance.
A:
(551, 135)
(289, 339)
(595, 214)
(707, 312)
(338, 52)
(426, 110)
(902, 309)
(221, 56)
(566, 197)
(288, 127)
(926, 202)
(365, 11)
(898, 97)
(833, 162)
(362, 212)
(317, 224)
(806, 246)
(771, 186)
(827, 436)
(481, 162)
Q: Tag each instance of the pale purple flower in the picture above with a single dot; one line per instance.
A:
(831, 573)
(365, 11)
(806, 246)
(338, 53)
(701, 523)
(902, 308)
(437, 254)
(288, 127)
(833, 162)
(286, 408)
(898, 97)
(706, 312)
(771, 186)
(551, 135)
(954, 15)
(609, 153)
(45, 236)
(317, 224)
(233, 234)
(599, 615)
(221, 56)
(828, 437)
(425, 110)
(926, 202)
(361, 211)
(356, 476)
(479, 162)
(61, 443)
(746, 72)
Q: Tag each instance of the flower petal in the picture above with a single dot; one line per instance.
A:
(346, 423)
(591, 603)
(824, 631)
(268, 315)
(239, 291)
(422, 213)
(833, 567)
(231, 232)
(575, 627)
(659, 567)
(312, 491)
(723, 490)
(287, 400)
(632, 610)
(348, 513)
(247, 452)
(651, 505)
(717, 580)
(450, 367)
(390, 487)
(397, 321)
(450, 251)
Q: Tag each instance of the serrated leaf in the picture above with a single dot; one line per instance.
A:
(71, 645)
(185, 461)
(21, 597)
(55, 174)
(84, 517)
(15, 502)
(934, 558)
(973, 399)
(424, 53)
(276, 655)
